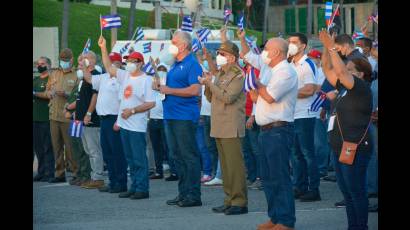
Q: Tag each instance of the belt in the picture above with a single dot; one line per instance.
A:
(274, 124)
(107, 116)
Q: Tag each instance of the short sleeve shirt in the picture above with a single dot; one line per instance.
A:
(40, 105)
(83, 102)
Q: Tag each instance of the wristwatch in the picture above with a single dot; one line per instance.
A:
(133, 111)
(88, 114)
(333, 49)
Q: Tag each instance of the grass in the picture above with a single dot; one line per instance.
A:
(84, 22)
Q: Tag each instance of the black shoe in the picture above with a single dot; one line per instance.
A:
(372, 195)
(74, 181)
(220, 209)
(374, 208)
(57, 180)
(172, 178)
(174, 201)
(139, 195)
(104, 189)
(45, 179)
(340, 204)
(322, 175)
(117, 190)
(297, 193)
(310, 196)
(37, 177)
(156, 176)
(236, 210)
(189, 203)
(125, 194)
(330, 178)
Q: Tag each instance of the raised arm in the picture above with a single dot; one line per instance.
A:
(105, 59)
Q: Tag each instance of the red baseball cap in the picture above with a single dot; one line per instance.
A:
(314, 54)
(135, 55)
(115, 57)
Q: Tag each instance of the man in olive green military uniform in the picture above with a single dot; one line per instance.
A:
(41, 123)
(60, 83)
(228, 126)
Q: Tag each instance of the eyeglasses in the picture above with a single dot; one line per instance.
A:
(221, 53)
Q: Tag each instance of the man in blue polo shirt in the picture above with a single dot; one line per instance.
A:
(181, 112)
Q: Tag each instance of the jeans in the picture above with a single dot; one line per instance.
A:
(203, 150)
(218, 173)
(159, 145)
(211, 144)
(351, 180)
(250, 152)
(92, 146)
(134, 146)
(304, 162)
(275, 146)
(372, 169)
(322, 147)
(181, 141)
(43, 149)
(113, 153)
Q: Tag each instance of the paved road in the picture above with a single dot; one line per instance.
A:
(63, 207)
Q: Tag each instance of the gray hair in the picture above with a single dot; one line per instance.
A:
(48, 61)
(185, 37)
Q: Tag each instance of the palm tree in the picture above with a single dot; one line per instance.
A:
(64, 33)
(131, 19)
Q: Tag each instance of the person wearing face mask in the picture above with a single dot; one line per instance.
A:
(60, 83)
(228, 126)
(136, 99)
(107, 108)
(344, 46)
(352, 118)
(304, 160)
(275, 106)
(41, 123)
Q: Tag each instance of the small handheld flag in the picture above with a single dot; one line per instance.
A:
(125, 48)
(148, 69)
(227, 13)
(328, 12)
(110, 21)
(318, 102)
(203, 34)
(87, 46)
(76, 128)
(140, 35)
(186, 24)
(195, 45)
(250, 80)
(357, 35)
(147, 47)
(240, 22)
(252, 45)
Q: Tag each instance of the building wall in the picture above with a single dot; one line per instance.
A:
(45, 43)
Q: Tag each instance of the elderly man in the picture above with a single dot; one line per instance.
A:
(181, 112)
(41, 123)
(228, 126)
(60, 83)
(275, 108)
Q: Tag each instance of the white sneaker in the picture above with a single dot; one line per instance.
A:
(213, 182)
(165, 167)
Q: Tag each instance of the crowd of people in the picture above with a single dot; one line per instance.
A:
(197, 115)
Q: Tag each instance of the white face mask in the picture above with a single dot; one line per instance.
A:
(80, 74)
(86, 62)
(221, 60)
(131, 67)
(173, 49)
(292, 49)
(265, 58)
(167, 58)
(162, 74)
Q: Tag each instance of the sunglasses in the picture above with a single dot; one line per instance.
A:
(221, 53)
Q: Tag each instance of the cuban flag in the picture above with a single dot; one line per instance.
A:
(162, 47)
(250, 80)
(76, 128)
(373, 18)
(186, 24)
(318, 102)
(328, 12)
(110, 21)
(252, 45)
(147, 47)
(140, 34)
(227, 13)
(148, 69)
(240, 22)
(195, 45)
(87, 46)
(125, 48)
(203, 34)
(357, 35)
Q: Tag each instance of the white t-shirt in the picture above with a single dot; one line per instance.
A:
(205, 104)
(108, 102)
(305, 76)
(134, 92)
(157, 112)
(281, 84)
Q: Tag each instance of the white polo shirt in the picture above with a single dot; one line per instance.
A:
(134, 92)
(205, 104)
(282, 85)
(157, 112)
(306, 75)
(320, 79)
(108, 102)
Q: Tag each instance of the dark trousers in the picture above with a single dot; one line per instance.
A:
(210, 143)
(251, 152)
(275, 146)
(43, 149)
(113, 153)
(82, 159)
(183, 148)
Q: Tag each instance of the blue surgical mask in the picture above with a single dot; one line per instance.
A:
(205, 64)
(65, 64)
(241, 63)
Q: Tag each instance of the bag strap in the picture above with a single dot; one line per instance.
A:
(340, 130)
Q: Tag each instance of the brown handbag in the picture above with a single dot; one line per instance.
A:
(349, 149)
